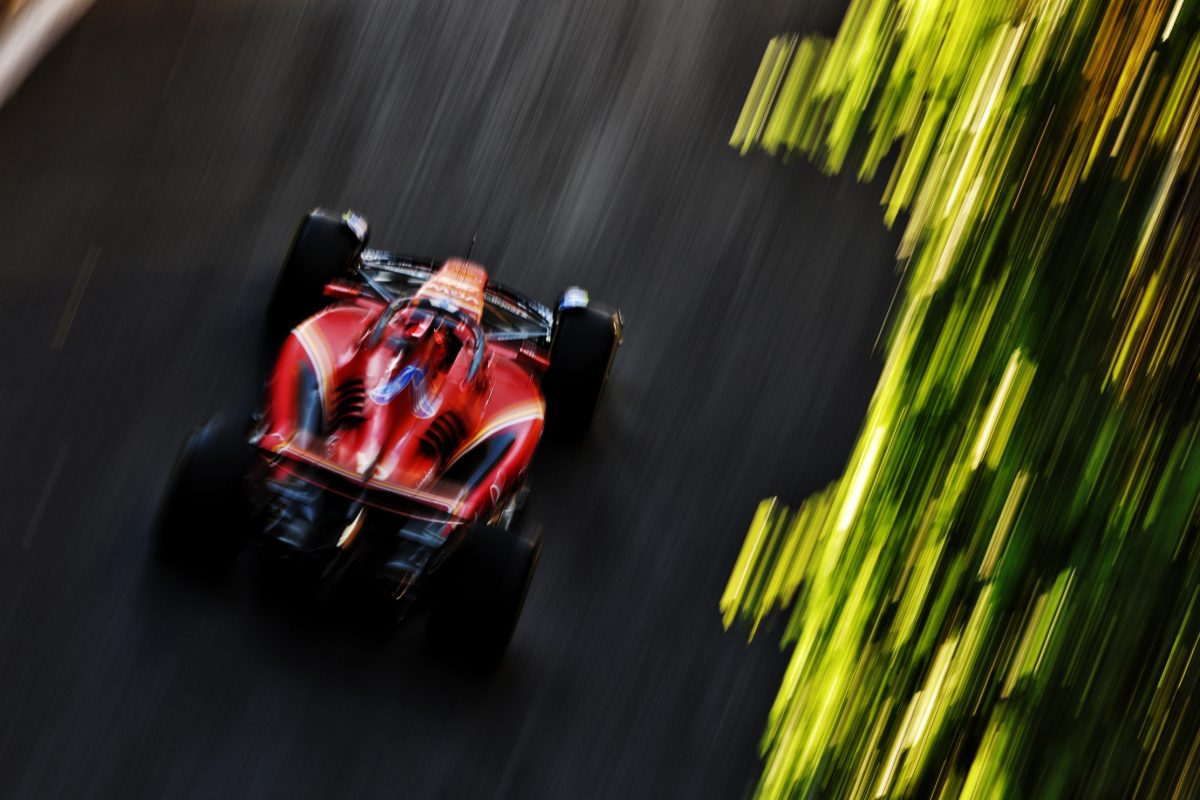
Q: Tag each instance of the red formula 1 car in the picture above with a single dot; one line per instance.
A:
(404, 407)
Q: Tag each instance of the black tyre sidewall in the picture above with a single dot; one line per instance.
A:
(479, 595)
(205, 516)
(323, 248)
(581, 354)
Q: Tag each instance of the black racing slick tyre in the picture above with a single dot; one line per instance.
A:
(479, 594)
(581, 353)
(326, 246)
(205, 514)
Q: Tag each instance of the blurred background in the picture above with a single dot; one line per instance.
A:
(153, 166)
(997, 597)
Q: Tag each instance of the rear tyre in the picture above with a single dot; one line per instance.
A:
(205, 516)
(326, 246)
(479, 594)
(585, 341)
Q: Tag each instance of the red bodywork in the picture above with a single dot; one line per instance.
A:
(391, 407)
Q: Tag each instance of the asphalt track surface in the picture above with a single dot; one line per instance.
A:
(151, 171)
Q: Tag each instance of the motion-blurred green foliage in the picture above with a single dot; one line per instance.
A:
(999, 597)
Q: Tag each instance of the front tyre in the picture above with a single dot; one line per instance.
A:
(479, 595)
(326, 246)
(581, 352)
(205, 513)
